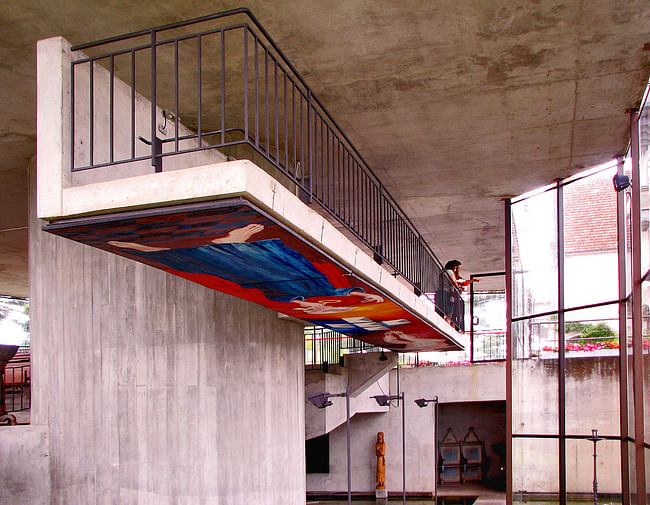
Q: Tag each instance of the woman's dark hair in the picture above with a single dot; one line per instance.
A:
(451, 264)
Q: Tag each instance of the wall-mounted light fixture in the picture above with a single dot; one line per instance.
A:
(621, 182)
(321, 400)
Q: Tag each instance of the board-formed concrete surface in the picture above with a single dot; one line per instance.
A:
(25, 477)
(156, 390)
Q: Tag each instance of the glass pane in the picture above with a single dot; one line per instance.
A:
(580, 466)
(590, 240)
(535, 467)
(592, 385)
(489, 328)
(535, 376)
(534, 254)
(644, 166)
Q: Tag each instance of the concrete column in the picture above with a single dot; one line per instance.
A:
(156, 390)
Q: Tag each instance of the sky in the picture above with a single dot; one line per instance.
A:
(12, 331)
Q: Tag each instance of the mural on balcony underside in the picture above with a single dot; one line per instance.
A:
(239, 251)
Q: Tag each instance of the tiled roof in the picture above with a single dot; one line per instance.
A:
(590, 215)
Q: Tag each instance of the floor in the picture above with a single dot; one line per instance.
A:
(448, 494)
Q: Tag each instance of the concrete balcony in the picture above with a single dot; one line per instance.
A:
(363, 298)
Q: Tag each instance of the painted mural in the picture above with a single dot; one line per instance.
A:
(238, 250)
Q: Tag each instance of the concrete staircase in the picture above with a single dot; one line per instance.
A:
(365, 374)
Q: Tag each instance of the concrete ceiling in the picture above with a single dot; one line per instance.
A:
(455, 104)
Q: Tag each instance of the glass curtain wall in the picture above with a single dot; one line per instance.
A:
(578, 327)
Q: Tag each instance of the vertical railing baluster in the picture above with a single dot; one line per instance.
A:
(391, 234)
(266, 101)
(319, 189)
(310, 146)
(328, 189)
(344, 186)
(357, 197)
(302, 142)
(372, 215)
(364, 208)
(353, 190)
(286, 125)
(111, 106)
(199, 80)
(223, 87)
(73, 66)
(277, 112)
(293, 125)
(153, 99)
(338, 192)
(176, 93)
(132, 103)
(257, 92)
(357, 185)
(246, 84)
(348, 188)
(383, 228)
(382, 222)
(334, 180)
(92, 111)
(404, 251)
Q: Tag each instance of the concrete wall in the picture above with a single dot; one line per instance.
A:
(321, 421)
(155, 390)
(451, 384)
(474, 396)
(364, 374)
(25, 475)
(592, 402)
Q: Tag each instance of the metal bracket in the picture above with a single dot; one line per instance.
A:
(157, 151)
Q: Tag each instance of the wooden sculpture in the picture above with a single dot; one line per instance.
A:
(380, 451)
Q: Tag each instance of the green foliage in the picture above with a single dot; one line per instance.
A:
(25, 325)
(590, 331)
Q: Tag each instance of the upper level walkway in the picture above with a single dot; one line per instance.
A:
(260, 195)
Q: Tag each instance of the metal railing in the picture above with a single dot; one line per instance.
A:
(233, 88)
(17, 388)
(488, 346)
(324, 347)
(17, 381)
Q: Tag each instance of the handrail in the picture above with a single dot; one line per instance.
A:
(323, 164)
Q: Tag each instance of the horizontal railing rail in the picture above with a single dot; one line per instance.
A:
(231, 88)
